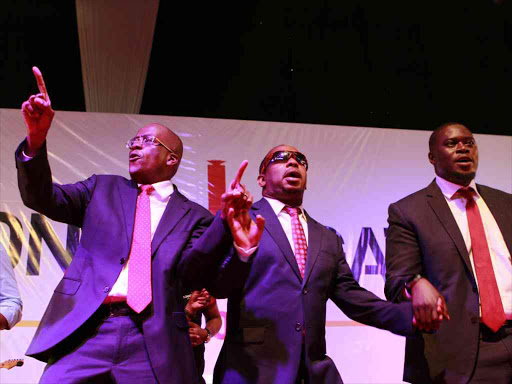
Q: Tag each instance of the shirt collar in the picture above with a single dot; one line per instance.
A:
(448, 188)
(163, 189)
(277, 206)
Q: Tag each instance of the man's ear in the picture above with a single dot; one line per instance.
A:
(431, 158)
(172, 159)
(261, 181)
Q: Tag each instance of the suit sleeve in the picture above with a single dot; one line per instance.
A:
(365, 307)
(210, 245)
(223, 274)
(64, 203)
(403, 254)
(230, 276)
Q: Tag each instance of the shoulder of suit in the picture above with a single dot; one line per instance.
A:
(484, 189)
(412, 198)
(110, 179)
(196, 207)
(327, 229)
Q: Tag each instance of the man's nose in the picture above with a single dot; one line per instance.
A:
(292, 162)
(461, 147)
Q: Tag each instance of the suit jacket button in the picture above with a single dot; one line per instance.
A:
(298, 327)
(474, 320)
(106, 289)
(305, 291)
(121, 261)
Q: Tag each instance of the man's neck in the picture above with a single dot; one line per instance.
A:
(292, 202)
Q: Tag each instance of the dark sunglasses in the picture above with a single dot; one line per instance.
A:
(285, 156)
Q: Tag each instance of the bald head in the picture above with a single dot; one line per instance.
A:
(170, 139)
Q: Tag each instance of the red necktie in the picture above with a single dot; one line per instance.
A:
(299, 239)
(493, 314)
(139, 270)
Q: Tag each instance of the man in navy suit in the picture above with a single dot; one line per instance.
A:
(91, 331)
(277, 292)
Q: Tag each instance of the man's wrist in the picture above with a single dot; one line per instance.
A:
(411, 283)
(33, 145)
(208, 335)
(190, 314)
(244, 254)
(4, 324)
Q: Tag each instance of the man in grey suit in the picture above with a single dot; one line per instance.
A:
(453, 239)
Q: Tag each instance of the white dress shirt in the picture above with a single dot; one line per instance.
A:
(158, 200)
(500, 255)
(10, 299)
(286, 220)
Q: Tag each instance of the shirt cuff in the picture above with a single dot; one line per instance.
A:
(24, 156)
(244, 254)
(11, 313)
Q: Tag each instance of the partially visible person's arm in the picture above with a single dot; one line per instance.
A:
(211, 312)
(404, 268)
(10, 300)
(213, 319)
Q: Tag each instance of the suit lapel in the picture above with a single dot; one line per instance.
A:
(275, 230)
(314, 244)
(128, 193)
(499, 210)
(437, 202)
(174, 211)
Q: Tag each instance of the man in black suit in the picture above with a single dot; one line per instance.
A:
(277, 294)
(436, 247)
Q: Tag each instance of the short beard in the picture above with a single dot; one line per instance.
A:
(464, 178)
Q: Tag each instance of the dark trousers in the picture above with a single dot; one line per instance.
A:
(494, 363)
(108, 348)
(302, 375)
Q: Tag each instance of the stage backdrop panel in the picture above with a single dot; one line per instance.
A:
(354, 174)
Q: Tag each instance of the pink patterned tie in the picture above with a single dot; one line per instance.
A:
(299, 239)
(139, 270)
(493, 314)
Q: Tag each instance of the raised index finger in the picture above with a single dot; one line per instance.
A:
(40, 83)
(239, 174)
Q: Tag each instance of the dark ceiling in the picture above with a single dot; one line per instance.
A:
(413, 64)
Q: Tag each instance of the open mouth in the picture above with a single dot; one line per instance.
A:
(464, 160)
(293, 175)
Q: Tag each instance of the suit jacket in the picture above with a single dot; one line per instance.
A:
(271, 309)
(104, 207)
(423, 238)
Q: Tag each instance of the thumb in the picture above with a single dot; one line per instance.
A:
(260, 223)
